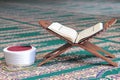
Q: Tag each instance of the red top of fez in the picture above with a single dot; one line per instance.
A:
(19, 48)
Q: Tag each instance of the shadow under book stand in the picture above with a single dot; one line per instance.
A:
(85, 44)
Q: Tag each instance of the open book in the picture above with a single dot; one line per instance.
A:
(73, 35)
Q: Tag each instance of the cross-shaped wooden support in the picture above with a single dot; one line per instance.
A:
(85, 44)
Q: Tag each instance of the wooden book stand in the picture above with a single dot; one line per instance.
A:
(85, 44)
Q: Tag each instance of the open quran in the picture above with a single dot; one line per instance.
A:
(72, 34)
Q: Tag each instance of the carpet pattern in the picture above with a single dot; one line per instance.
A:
(19, 25)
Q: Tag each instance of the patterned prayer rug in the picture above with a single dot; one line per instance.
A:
(19, 25)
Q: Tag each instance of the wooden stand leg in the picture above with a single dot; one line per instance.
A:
(60, 48)
(100, 49)
(97, 54)
(57, 54)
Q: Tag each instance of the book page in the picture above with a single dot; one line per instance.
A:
(64, 31)
(89, 32)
